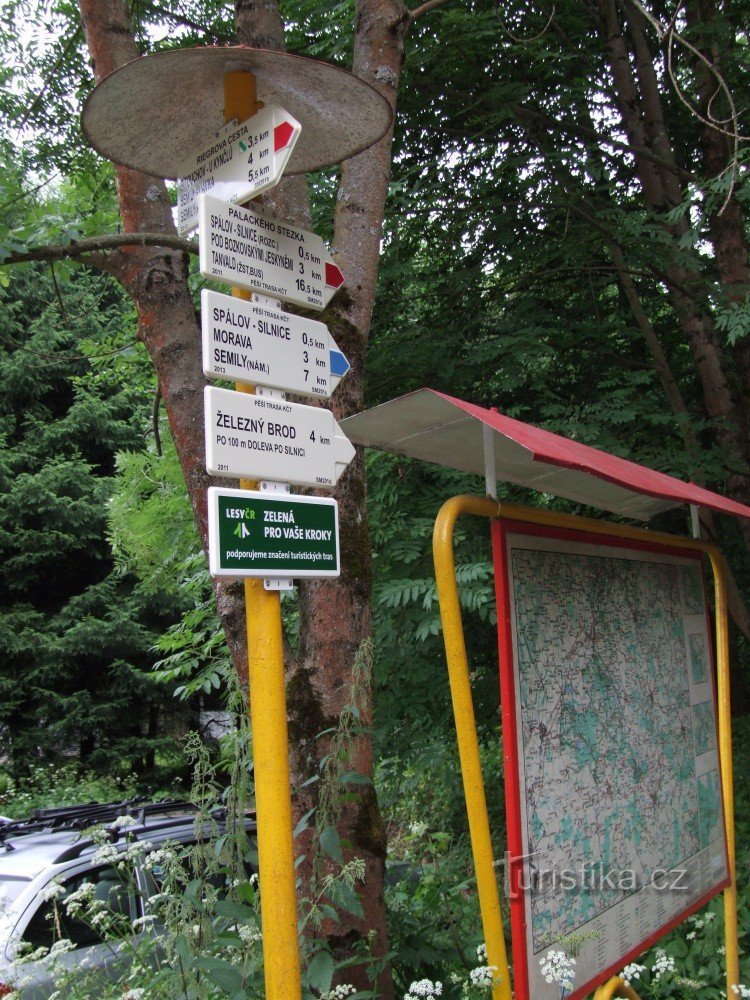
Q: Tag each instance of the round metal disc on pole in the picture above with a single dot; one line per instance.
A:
(153, 112)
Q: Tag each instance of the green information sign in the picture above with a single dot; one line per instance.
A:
(253, 534)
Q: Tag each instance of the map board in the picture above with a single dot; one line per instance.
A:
(615, 816)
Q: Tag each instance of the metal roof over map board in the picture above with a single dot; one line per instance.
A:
(438, 428)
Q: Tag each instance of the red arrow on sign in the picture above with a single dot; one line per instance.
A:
(281, 135)
(334, 276)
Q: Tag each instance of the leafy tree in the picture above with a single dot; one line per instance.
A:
(76, 633)
(564, 241)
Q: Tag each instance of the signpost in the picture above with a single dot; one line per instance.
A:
(254, 534)
(259, 341)
(267, 438)
(250, 248)
(243, 160)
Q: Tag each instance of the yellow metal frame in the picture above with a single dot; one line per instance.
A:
(466, 731)
(616, 987)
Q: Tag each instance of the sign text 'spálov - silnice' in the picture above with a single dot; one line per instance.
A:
(259, 342)
(260, 437)
(251, 248)
(254, 534)
(241, 161)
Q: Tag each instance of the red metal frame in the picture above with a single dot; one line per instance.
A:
(516, 848)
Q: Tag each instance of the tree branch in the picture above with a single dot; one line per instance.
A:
(97, 244)
(523, 110)
(425, 8)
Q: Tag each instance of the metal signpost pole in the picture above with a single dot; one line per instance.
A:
(278, 899)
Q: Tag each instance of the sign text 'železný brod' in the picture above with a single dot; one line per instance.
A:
(260, 437)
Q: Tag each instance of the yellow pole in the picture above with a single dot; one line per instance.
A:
(466, 735)
(265, 647)
(616, 988)
(458, 672)
(725, 766)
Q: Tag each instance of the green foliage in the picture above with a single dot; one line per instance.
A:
(76, 634)
(150, 524)
(51, 785)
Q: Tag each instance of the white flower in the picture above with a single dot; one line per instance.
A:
(690, 935)
(134, 994)
(482, 952)
(663, 965)
(123, 822)
(249, 934)
(483, 976)
(424, 988)
(631, 972)
(32, 956)
(557, 967)
(60, 947)
(140, 923)
(80, 899)
(158, 858)
(338, 992)
(53, 890)
(106, 855)
(741, 991)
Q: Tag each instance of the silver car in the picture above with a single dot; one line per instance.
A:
(49, 857)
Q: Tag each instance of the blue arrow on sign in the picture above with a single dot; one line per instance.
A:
(339, 365)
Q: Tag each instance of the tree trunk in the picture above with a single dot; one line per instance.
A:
(335, 615)
(157, 281)
(640, 107)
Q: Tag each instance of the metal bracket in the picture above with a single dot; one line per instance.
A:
(262, 390)
(279, 489)
(270, 486)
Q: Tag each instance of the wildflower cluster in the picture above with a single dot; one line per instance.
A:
(743, 992)
(483, 976)
(53, 890)
(631, 972)
(339, 993)
(698, 924)
(557, 967)
(664, 965)
(424, 988)
(80, 900)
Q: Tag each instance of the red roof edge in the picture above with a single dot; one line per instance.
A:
(554, 449)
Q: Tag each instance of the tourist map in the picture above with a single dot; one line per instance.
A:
(620, 796)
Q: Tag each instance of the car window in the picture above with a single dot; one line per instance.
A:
(155, 870)
(110, 894)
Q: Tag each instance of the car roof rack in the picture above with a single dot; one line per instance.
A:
(75, 850)
(82, 816)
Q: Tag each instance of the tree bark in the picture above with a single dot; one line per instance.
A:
(335, 617)
(156, 278)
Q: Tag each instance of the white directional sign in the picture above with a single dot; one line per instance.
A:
(242, 161)
(250, 248)
(259, 342)
(260, 437)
